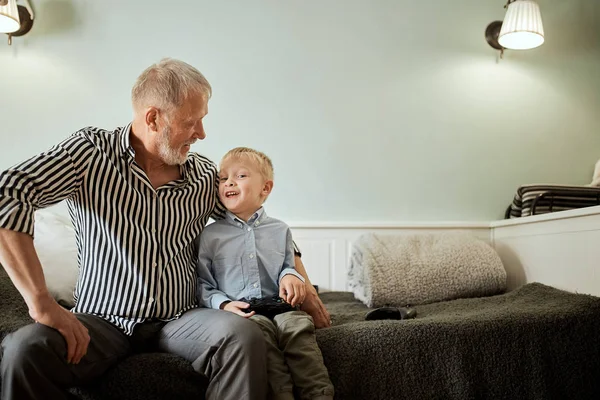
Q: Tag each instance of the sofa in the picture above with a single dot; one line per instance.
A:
(534, 342)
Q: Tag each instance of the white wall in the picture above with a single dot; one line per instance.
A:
(389, 110)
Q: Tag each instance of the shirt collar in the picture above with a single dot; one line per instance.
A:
(124, 142)
(255, 220)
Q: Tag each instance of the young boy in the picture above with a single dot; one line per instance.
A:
(250, 255)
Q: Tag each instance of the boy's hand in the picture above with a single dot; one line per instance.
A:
(292, 290)
(238, 307)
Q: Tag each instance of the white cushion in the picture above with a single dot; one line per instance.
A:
(54, 242)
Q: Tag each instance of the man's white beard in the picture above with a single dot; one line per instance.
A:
(169, 155)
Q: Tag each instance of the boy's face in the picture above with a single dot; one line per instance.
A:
(242, 188)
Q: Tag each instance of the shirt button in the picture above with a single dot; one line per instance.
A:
(255, 285)
(155, 265)
(249, 229)
(251, 256)
(151, 300)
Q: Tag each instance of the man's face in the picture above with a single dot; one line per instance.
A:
(182, 129)
(242, 188)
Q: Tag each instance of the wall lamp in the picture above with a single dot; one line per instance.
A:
(15, 20)
(521, 30)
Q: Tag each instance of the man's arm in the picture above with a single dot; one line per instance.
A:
(22, 265)
(312, 303)
(36, 183)
(220, 210)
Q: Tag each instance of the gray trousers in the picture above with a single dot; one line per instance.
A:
(293, 357)
(226, 348)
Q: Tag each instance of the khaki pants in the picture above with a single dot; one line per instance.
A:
(293, 357)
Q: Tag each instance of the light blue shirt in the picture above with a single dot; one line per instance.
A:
(243, 259)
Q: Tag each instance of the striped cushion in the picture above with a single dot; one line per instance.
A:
(541, 199)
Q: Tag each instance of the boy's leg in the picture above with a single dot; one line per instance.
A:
(228, 349)
(34, 362)
(280, 381)
(298, 342)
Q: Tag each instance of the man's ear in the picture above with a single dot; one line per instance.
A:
(267, 187)
(152, 119)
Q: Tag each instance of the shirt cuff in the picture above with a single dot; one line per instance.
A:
(17, 216)
(217, 299)
(290, 271)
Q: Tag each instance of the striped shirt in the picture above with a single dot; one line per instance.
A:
(137, 246)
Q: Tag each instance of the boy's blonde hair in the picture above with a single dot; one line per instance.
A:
(265, 166)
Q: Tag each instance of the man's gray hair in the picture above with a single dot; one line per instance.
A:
(167, 84)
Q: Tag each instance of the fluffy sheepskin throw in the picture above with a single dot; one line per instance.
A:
(400, 270)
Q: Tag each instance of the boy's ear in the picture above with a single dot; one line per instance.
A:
(267, 187)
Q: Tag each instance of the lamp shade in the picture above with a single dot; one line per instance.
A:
(522, 27)
(9, 17)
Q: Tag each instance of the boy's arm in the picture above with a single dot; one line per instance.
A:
(207, 293)
(288, 266)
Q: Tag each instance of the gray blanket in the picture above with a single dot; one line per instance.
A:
(536, 342)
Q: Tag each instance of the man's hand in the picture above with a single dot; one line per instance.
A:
(313, 306)
(237, 307)
(292, 290)
(51, 314)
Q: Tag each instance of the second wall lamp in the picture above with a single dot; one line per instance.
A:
(15, 20)
(522, 28)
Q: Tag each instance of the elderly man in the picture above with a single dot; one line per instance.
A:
(138, 200)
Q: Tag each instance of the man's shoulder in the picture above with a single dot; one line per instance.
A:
(95, 136)
(201, 163)
(93, 132)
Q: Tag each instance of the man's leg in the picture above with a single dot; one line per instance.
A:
(280, 380)
(298, 342)
(227, 348)
(34, 362)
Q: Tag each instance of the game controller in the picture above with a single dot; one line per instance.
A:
(391, 313)
(268, 306)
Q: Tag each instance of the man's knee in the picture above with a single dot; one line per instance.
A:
(30, 345)
(246, 335)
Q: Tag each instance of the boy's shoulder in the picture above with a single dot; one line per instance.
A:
(275, 222)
